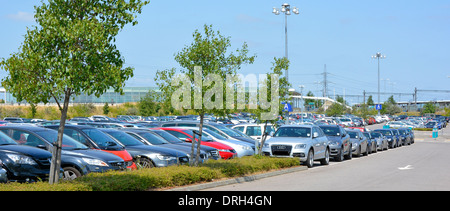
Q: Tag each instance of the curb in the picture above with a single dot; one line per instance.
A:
(238, 180)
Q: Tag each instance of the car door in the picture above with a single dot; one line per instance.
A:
(345, 140)
(318, 144)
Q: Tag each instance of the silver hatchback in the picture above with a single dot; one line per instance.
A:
(308, 142)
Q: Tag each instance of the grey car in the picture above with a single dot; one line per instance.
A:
(308, 142)
(359, 142)
(340, 144)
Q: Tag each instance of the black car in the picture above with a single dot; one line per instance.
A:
(148, 156)
(391, 137)
(76, 158)
(405, 135)
(96, 139)
(22, 163)
(340, 144)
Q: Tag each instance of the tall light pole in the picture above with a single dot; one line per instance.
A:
(378, 56)
(286, 9)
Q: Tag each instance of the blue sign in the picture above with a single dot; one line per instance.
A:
(378, 107)
(287, 107)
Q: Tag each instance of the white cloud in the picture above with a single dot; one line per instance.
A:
(21, 16)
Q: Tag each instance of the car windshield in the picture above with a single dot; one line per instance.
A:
(100, 138)
(293, 132)
(68, 143)
(385, 132)
(214, 134)
(353, 134)
(168, 137)
(125, 138)
(331, 131)
(153, 138)
(402, 132)
(375, 134)
(6, 140)
(430, 123)
(226, 130)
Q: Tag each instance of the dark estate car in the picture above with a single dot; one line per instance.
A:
(76, 158)
(96, 139)
(340, 145)
(22, 163)
(391, 137)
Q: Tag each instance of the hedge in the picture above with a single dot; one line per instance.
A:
(160, 178)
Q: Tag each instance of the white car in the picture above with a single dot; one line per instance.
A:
(255, 131)
(308, 142)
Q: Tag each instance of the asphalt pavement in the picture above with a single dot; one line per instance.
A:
(422, 166)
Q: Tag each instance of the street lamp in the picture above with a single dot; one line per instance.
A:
(378, 56)
(286, 9)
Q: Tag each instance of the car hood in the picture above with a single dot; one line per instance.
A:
(93, 154)
(27, 150)
(145, 149)
(334, 138)
(288, 140)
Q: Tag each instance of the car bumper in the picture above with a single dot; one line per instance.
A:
(3, 175)
(280, 150)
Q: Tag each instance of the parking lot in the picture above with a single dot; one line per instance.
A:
(422, 166)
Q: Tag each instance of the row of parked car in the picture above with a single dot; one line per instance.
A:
(312, 142)
(25, 149)
(99, 146)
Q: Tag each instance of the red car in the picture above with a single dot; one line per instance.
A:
(225, 151)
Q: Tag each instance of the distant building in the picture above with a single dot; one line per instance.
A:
(130, 94)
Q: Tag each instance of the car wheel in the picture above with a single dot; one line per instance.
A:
(349, 155)
(340, 156)
(310, 159)
(326, 160)
(145, 163)
(71, 173)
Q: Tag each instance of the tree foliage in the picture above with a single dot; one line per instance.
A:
(70, 52)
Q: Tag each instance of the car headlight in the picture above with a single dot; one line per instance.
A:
(300, 146)
(166, 157)
(95, 162)
(334, 143)
(246, 147)
(266, 145)
(21, 159)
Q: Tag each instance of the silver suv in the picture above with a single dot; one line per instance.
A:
(308, 142)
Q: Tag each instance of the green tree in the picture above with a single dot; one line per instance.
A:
(207, 54)
(106, 109)
(428, 108)
(370, 101)
(390, 106)
(71, 52)
(149, 105)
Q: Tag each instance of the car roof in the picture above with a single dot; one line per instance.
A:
(26, 127)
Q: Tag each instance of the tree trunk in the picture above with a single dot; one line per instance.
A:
(56, 151)
(197, 157)
(262, 140)
(191, 159)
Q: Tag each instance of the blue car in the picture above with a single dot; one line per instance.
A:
(22, 163)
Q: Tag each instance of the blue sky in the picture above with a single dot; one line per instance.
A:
(343, 35)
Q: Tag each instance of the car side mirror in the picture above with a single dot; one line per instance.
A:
(271, 133)
(315, 134)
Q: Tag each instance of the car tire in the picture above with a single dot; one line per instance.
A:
(326, 160)
(340, 156)
(349, 155)
(310, 159)
(70, 173)
(145, 163)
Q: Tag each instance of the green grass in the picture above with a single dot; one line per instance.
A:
(160, 178)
